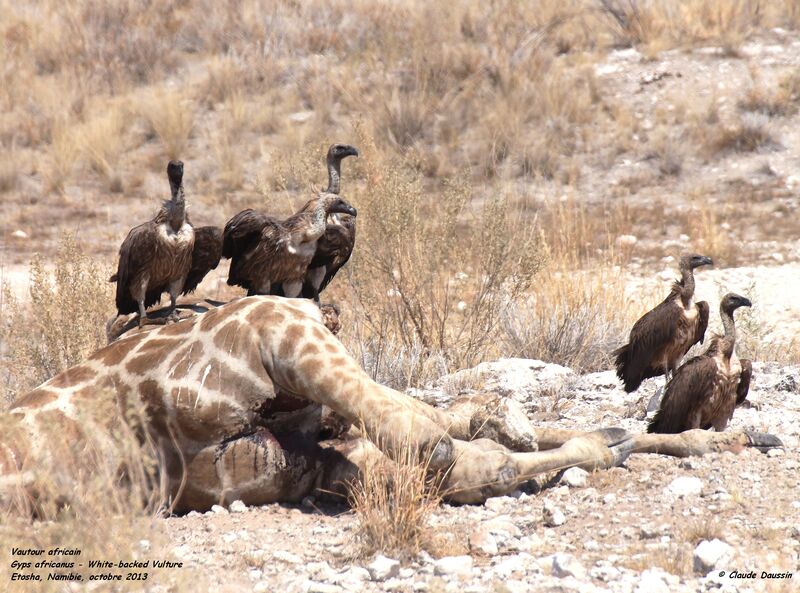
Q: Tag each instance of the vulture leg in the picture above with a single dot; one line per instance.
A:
(292, 290)
(175, 288)
(138, 292)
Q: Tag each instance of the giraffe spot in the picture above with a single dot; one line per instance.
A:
(291, 338)
(72, 376)
(267, 316)
(319, 333)
(34, 399)
(152, 396)
(233, 336)
(308, 369)
(221, 378)
(309, 349)
(205, 423)
(185, 359)
(331, 347)
(338, 360)
(221, 314)
(53, 424)
(114, 353)
(179, 329)
(144, 363)
(158, 344)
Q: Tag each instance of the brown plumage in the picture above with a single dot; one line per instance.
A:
(266, 250)
(705, 391)
(156, 256)
(206, 254)
(661, 338)
(335, 246)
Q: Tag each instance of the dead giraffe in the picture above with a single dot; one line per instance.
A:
(226, 395)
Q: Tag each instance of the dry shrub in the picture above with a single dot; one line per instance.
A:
(437, 274)
(750, 132)
(9, 170)
(693, 531)
(63, 152)
(103, 142)
(393, 501)
(170, 116)
(66, 321)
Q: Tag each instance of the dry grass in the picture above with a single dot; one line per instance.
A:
(64, 323)
(170, 116)
(393, 502)
(103, 141)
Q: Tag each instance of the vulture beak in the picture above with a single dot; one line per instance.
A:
(351, 151)
(743, 302)
(706, 261)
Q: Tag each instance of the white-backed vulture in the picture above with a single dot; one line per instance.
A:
(704, 391)
(336, 245)
(660, 339)
(156, 256)
(265, 250)
(205, 256)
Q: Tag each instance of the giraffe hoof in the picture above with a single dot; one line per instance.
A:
(763, 441)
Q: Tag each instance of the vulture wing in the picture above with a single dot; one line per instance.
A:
(333, 251)
(242, 232)
(649, 335)
(206, 254)
(744, 381)
(685, 394)
(702, 322)
(136, 254)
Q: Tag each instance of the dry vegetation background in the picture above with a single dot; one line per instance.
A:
(494, 212)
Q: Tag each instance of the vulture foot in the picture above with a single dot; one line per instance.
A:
(763, 441)
(652, 405)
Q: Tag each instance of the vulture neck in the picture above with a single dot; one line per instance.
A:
(319, 218)
(176, 207)
(687, 285)
(334, 175)
(729, 338)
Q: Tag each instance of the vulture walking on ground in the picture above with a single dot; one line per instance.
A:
(336, 245)
(156, 256)
(661, 338)
(265, 250)
(704, 391)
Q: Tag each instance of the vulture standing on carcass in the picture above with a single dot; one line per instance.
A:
(336, 245)
(660, 339)
(156, 256)
(704, 391)
(265, 250)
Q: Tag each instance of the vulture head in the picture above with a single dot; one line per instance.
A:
(337, 152)
(731, 301)
(694, 260)
(335, 205)
(175, 172)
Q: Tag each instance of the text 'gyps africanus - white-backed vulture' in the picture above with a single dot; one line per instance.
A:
(265, 250)
(336, 245)
(661, 338)
(156, 256)
(706, 389)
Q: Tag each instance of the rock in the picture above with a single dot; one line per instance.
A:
(354, 574)
(481, 540)
(498, 503)
(604, 571)
(19, 234)
(575, 477)
(552, 515)
(652, 581)
(287, 557)
(219, 510)
(255, 574)
(517, 563)
(301, 116)
(453, 566)
(237, 506)
(709, 555)
(382, 568)
(775, 453)
(314, 587)
(625, 241)
(262, 587)
(565, 565)
(685, 486)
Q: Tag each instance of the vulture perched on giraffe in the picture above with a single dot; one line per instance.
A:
(661, 338)
(156, 256)
(265, 250)
(704, 391)
(336, 245)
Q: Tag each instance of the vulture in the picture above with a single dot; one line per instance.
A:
(265, 250)
(205, 256)
(156, 256)
(704, 391)
(660, 339)
(336, 245)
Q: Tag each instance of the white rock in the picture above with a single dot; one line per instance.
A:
(453, 566)
(219, 510)
(565, 565)
(685, 486)
(498, 503)
(775, 453)
(314, 587)
(625, 241)
(575, 477)
(481, 540)
(382, 568)
(652, 581)
(354, 574)
(19, 234)
(237, 506)
(604, 571)
(517, 563)
(301, 116)
(287, 557)
(552, 515)
(262, 587)
(229, 538)
(255, 574)
(709, 555)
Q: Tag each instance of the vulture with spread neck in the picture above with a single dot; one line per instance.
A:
(156, 256)
(704, 391)
(661, 338)
(336, 245)
(265, 250)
